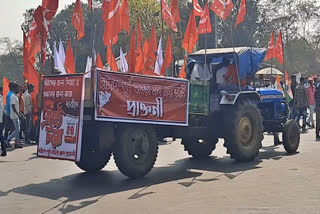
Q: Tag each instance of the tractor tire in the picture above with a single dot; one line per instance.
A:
(92, 158)
(291, 136)
(244, 131)
(136, 150)
(198, 149)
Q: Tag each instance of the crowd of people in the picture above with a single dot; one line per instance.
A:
(306, 95)
(16, 116)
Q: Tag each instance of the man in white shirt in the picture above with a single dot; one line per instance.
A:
(28, 111)
(14, 116)
(3, 145)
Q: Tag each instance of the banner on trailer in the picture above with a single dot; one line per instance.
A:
(123, 97)
(61, 117)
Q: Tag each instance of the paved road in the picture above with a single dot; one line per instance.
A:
(273, 183)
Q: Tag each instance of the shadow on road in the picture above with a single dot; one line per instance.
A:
(84, 186)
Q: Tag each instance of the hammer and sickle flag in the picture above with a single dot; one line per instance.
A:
(222, 8)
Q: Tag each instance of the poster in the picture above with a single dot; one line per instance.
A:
(123, 97)
(61, 116)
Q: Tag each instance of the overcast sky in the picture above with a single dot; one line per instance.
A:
(11, 15)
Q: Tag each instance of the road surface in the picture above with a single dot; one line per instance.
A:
(274, 183)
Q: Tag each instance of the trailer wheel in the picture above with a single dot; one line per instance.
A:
(244, 131)
(291, 136)
(199, 148)
(92, 161)
(93, 157)
(136, 150)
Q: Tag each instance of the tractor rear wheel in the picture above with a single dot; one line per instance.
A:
(244, 131)
(291, 136)
(199, 148)
(136, 150)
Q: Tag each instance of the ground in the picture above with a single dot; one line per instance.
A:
(274, 183)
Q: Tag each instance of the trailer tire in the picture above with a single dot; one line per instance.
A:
(244, 131)
(136, 150)
(197, 149)
(93, 162)
(291, 136)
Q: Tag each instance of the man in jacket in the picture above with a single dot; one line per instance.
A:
(317, 99)
(301, 103)
(3, 146)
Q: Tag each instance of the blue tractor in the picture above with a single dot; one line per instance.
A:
(225, 101)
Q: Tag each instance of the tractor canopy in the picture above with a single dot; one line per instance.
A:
(243, 56)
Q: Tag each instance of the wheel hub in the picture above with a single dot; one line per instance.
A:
(245, 130)
(139, 146)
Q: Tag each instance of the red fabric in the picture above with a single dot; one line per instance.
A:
(51, 4)
(69, 63)
(145, 49)
(222, 8)
(124, 11)
(174, 8)
(278, 50)
(191, 34)
(196, 8)
(111, 17)
(168, 59)
(132, 53)
(270, 52)
(242, 12)
(34, 42)
(111, 60)
(183, 74)
(167, 16)
(205, 24)
(5, 89)
(77, 20)
(139, 52)
(151, 54)
(99, 63)
(90, 4)
(286, 77)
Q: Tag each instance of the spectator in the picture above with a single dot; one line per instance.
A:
(14, 116)
(3, 146)
(293, 90)
(8, 122)
(28, 111)
(301, 103)
(317, 100)
(21, 110)
(311, 90)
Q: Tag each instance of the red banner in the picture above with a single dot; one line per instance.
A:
(123, 97)
(60, 124)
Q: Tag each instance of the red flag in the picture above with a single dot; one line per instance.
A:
(139, 52)
(168, 59)
(145, 49)
(242, 12)
(270, 52)
(191, 34)
(132, 53)
(205, 24)
(278, 50)
(183, 74)
(196, 8)
(34, 42)
(90, 4)
(124, 11)
(111, 17)
(151, 55)
(69, 63)
(50, 4)
(222, 8)
(174, 8)
(286, 77)
(111, 60)
(77, 20)
(167, 16)
(99, 63)
(5, 89)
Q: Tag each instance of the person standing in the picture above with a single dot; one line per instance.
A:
(28, 111)
(3, 145)
(8, 122)
(301, 103)
(293, 90)
(14, 116)
(317, 100)
(312, 105)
